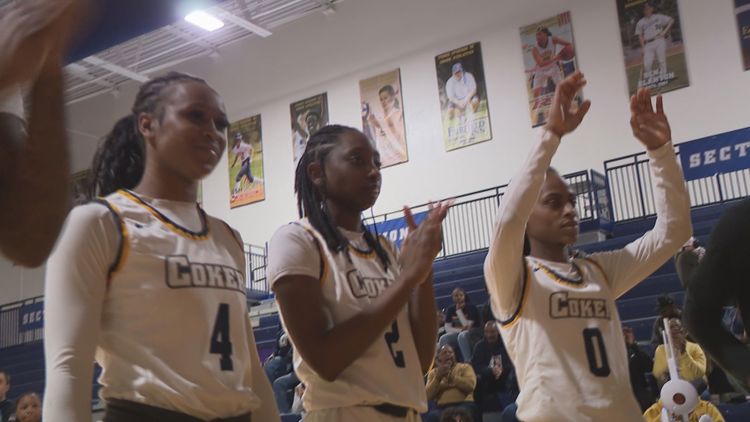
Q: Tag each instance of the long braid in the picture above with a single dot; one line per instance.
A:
(311, 202)
(119, 161)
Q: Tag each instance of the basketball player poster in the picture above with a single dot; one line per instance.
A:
(548, 57)
(308, 116)
(463, 97)
(652, 45)
(383, 116)
(742, 10)
(245, 154)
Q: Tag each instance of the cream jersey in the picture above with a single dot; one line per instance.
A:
(547, 53)
(650, 27)
(564, 337)
(162, 304)
(389, 370)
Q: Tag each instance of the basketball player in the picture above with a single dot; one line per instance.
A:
(720, 280)
(388, 133)
(546, 59)
(307, 124)
(243, 151)
(34, 169)
(361, 320)
(652, 30)
(146, 282)
(558, 315)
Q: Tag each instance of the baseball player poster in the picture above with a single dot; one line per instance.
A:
(652, 44)
(383, 116)
(742, 10)
(463, 97)
(245, 154)
(308, 116)
(548, 56)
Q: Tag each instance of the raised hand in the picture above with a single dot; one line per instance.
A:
(649, 126)
(562, 119)
(423, 242)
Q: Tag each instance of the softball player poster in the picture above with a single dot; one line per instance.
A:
(383, 116)
(308, 116)
(652, 44)
(245, 154)
(463, 97)
(742, 10)
(548, 57)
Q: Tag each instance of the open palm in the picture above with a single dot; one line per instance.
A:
(650, 126)
(562, 119)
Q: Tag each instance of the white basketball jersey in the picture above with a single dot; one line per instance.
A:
(389, 370)
(547, 53)
(175, 331)
(566, 343)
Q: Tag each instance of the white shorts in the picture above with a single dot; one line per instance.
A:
(357, 414)
(542, 76)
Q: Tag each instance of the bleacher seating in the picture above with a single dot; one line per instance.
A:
(636, 307)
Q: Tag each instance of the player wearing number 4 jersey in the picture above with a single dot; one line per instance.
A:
(559, 320)
(148, 283)
(361, 321)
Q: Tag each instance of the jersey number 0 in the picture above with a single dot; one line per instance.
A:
(594, 342)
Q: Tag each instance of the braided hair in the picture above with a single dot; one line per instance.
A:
(311, 200)
(119, 161)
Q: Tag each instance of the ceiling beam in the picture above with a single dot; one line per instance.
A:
(96, 61)
(243, 23)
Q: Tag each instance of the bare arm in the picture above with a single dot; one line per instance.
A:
(35, 183)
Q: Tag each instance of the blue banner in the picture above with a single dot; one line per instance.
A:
(600, 188)
(31, 317)
(395, 230)
(723, 153)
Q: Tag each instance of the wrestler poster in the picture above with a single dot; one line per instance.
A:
(742, 11)
(383, 116)
(463, 97)
(245, 154)
(308, 116)
(549, 56)
(652, 45)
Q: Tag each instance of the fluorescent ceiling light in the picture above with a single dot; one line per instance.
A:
(204, 20)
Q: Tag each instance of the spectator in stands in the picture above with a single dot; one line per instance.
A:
(282, 387)
(280, 362)
(687, 259)
(666, 308)
(691, 361)
(653, 414)
(496, 382)
(29, 408)
(456, 414)
(450, 384)
(6, 406)
(640, 365)
(462, 325)
(487, 314)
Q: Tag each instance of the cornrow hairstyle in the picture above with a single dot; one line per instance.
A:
(119, 161)
(311, 201)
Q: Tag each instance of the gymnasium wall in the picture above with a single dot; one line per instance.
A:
(366, 37)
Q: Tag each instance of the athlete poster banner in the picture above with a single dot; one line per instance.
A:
(308, 116)
(652, 44)
(548, 57)
(396, 229)
(245, 153)
(383, 116)
(723, 153)
(742, 10)
(463, 97)
(80, 185)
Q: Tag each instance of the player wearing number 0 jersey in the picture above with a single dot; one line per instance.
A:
(148, 284)
(558, 316)
(361, 321)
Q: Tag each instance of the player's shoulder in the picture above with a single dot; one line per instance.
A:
(295, 231)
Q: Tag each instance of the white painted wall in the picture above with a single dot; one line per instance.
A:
(366, 37)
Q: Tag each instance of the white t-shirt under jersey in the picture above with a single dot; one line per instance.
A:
(158, 307)
(376, 377)
(559, 320)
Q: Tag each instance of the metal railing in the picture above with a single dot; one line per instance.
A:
(470, 222)
(632, 190)
(255, 268)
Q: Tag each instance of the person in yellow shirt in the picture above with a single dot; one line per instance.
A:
(691, 361)
(653, 413)
(450, 384)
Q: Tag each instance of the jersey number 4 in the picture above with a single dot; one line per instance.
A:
(391, 338)
(596, 352)
(220, 342)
